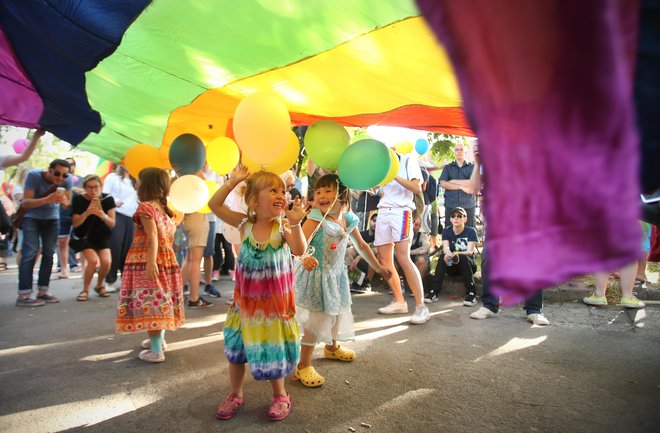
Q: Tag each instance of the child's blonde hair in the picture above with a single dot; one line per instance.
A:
(256, 183)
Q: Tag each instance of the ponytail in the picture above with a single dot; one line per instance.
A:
(163, 203)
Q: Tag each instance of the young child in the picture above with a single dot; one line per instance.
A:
(322, 287)
(151, 297)
(261, 327)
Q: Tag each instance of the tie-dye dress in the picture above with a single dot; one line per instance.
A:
(261, 327)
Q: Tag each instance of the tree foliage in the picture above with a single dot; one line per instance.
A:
(442, 146)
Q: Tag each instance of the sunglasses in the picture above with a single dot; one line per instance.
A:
(58, 174)
(457, 216)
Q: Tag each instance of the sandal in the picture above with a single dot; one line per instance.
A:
(229, 407)
(342, 354)
(308, 377)
(82, 297)
(101, 292)
(280, 407)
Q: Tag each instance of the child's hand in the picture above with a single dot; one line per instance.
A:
(310, 263)
(385, 272)
(152, 270)
(297, 211)
(239, 174)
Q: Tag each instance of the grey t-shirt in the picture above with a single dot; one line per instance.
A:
(36, 182)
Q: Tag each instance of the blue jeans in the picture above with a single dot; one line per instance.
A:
(33, 229)
(533, 304)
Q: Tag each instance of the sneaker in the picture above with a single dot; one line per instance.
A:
(538, 319)
(110, 287)
(394, 308)
(232, 275)
(470, 300)
(149, 356)
(186, 290)
(215, 276)
(76, 269)
(212, 291)
(631, 303)
(201, 302)
(48, 299)
(482, 313)
(431, 297)
(356, 288)
(595, 300)
(29, 302)
(420, 316)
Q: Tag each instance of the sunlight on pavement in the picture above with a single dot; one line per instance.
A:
(378, 334)
(389, 321)
(384, 411)
(26, 349)
(513, 345)
(106, 356)
(75, 414)
(203, 323)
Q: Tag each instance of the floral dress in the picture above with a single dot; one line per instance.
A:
(323, 294)
(261, 327)
(144, 304)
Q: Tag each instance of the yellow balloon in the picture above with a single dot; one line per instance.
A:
(282, 163)
(404, 147)
(262, 126)
(222, 155)
(142, 156)
(189, 194)
(212, 187)
(394, 169)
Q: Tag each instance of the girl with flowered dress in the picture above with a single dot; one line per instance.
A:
(261, 327)
(151, 297)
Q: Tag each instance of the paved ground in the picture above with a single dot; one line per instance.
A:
(592, 370)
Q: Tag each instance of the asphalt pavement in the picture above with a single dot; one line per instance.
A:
(62, 368)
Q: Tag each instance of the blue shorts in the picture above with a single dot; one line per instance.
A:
(209, 250)
(65, 226)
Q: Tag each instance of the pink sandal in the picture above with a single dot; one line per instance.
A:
(280, 407)
(229, 407)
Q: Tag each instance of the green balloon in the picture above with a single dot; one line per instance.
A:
(364, 164)
(325, 142)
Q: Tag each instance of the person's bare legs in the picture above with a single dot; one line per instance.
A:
(208, 269)
(63, 255)
(195, 258)
(306, 349)
(641, 268)
(414, 280)
(628, 274)
(91, 262)
(236, 378)
(105, 260)
(278, 387)
(420, 262)
(386, 257)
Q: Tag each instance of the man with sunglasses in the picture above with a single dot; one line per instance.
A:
(44, 192)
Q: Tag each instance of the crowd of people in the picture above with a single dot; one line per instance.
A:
(295, 257)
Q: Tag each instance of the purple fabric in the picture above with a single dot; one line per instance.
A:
(20, 104)
(547, 88)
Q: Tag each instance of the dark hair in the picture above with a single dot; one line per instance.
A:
(332, 180)
(155, 185)
(71, 161)
(62, 162)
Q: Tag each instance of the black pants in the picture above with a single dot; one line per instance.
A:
(120, 242)
(223, 256)
(466, 267)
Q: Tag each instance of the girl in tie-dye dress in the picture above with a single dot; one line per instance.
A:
(261, 328)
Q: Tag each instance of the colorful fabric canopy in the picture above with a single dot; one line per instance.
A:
(186, 64)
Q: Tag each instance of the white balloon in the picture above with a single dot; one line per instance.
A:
(189, 194)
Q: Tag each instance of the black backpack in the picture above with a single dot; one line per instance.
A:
(431, 191)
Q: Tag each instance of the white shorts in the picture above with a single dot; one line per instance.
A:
(394, 225)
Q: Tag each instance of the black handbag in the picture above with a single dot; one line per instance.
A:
(77, 243)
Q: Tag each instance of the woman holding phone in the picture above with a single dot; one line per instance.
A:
(93, 220)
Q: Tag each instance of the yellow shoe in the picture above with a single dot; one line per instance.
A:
(342, 354)
(308, 377)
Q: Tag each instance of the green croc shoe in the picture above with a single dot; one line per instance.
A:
(631, 303)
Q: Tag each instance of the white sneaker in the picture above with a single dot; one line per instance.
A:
(394, 308)
(149, 356)
(538, 319)
(110, 287)
(482, 313)
(420, 316)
